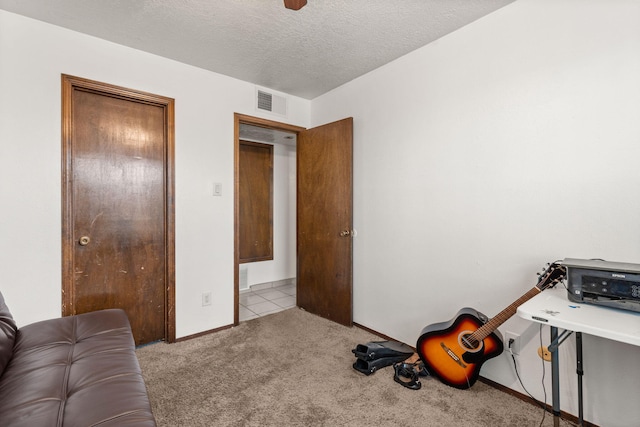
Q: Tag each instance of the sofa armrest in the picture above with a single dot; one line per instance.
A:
(8, 331)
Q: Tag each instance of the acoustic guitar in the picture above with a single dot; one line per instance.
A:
(454, 351)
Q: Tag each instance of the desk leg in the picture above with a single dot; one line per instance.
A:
(555, 378)
(580, 372)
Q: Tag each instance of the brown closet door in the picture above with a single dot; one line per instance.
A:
(256, 202)
(117, 244)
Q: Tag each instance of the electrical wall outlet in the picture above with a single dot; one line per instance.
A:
(512, 342)
(206, 298)
(544, 353)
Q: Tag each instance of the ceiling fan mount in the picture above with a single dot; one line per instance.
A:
(295, 4)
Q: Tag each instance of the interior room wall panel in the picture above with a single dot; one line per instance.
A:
(480, 157)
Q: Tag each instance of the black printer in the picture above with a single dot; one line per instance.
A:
(604, 283)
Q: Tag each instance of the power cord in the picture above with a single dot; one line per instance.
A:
(544, 372)
(543, 406)
(544, 389)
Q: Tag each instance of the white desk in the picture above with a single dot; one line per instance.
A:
(552, 307)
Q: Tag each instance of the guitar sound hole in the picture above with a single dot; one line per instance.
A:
(468, 342)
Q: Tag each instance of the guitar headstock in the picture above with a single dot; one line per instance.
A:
(553, 274)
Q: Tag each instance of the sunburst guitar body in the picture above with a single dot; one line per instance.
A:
(449, 354)
(454, 351)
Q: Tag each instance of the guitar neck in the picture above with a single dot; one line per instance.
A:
(493, 324)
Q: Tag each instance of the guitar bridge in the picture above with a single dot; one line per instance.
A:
(452, 355)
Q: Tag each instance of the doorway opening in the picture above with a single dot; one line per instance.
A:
(323, 216)
(267, 286)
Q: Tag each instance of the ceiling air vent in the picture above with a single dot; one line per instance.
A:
(273, 103)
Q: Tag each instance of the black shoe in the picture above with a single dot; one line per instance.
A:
(421, 369)
(368, 367)
(379, 349)
(407, 376)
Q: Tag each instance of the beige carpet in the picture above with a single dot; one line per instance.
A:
(294, 369)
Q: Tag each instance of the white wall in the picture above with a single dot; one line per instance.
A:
(477, 159)
(32, 57)
(283, 265)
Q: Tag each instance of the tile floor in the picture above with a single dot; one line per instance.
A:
(260, 302)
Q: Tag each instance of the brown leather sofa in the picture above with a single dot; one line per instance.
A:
(72, 371)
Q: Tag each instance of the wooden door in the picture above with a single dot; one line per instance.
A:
(324, 196)
(118, 210)
(255, 175)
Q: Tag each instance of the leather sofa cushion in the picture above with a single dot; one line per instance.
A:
(7, 334)
(75, 371)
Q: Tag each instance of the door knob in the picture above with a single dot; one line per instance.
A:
(84, 240)
(345, 233)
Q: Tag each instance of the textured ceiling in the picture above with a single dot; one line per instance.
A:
(305, 53)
